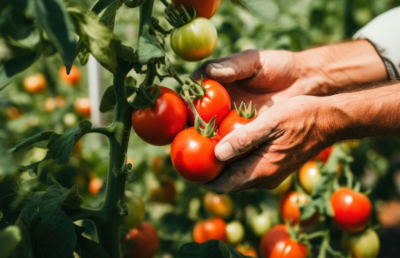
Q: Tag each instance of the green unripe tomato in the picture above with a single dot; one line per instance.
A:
(364, 244)
(234, 233)
(261, 223)
(136, 210)
(195, 40)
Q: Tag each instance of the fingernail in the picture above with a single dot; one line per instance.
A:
(216, 65)
(225, 151)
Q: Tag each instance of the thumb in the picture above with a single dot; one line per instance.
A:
(235, 67)
(242, 139)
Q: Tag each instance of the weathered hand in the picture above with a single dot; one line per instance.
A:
(287, 135)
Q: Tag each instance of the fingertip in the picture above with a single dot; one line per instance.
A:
(224, 151)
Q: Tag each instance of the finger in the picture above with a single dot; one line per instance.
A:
(245, 138)
(233, 68)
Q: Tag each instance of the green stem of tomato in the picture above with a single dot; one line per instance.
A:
(188, 100)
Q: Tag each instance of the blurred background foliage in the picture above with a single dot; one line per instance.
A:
(288, 24)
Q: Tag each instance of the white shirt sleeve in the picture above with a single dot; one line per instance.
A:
(384, 33)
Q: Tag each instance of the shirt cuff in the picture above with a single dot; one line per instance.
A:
(384, 34)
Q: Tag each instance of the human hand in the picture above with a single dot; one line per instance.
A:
(287, 135)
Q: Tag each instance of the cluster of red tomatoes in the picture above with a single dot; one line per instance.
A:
(196, 39)
(192, 153)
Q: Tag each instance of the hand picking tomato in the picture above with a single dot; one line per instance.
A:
(290, 211)
(135, 206)
(277, 243)
(234, 233)
(195, 40)
(82, 107)
(73, 78)
(159, 124)
(192, 155)
(209, 229)
(204, 8)
(218, 205)
(351, 210)
(323, 156)
(237, 118)
(247, 250)
(216, 102)
(35, 84)
(144, 241)
(364, 244)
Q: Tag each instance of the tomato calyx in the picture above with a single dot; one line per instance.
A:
(195, 88)
(245, 111)
(208, 130)
(146, 96)
(177, 19)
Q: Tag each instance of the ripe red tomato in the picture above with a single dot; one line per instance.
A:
(277, 243)
(290, 211)
(351, 210)
(163, 191)
(82, 107)
(194, 41)
(218, 205)
(204, 8)
(192, 155)
(35, 84)
(209, 229)
(247, 250)
(145, 241)
(159, 124)
(216, 102)
(73, 78)
(136, 211)
(324, 154)
(364, 244)
(231, 122)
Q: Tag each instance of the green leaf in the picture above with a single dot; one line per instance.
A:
(106, 11)
(324, 183)
(51, 15)
(74, 200)
(7, 165)
(307, 211)
(99, 39)
(209, 249)
(149, 48)
(43, 136)
(60, 146)
(264, 9)
(134, 3)
(15, 66)
(109, 100)
(87, 248)
(9, 240)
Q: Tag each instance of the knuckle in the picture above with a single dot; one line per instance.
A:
(243, 140)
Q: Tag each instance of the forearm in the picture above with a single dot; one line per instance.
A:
(331, 69)
(369, 113)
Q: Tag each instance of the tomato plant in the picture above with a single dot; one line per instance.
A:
(135, 211)
(363, 244)
(95, 185)
(210, 229)
(290, 211)
(163, 191)
(218, 205)
(82, 107)
(35, 84)
(351, 210)
(309, 175)
(323, 156)
(215, 102)
(284, 186)
(261, 223)
(277, 243)
(204, 8)
(143, 241)
(194, 41)
(247, 250)
(160, 123)
(73, 78)
(192, 155)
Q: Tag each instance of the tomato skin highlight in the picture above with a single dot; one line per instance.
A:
(352, 210)
(364, 244)
(277, 243)
(145, 241)
(192, 155)
(159, 124)
(204, 8)
(210, 229)
(216, 102)
(195, 40)
(73, 78)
